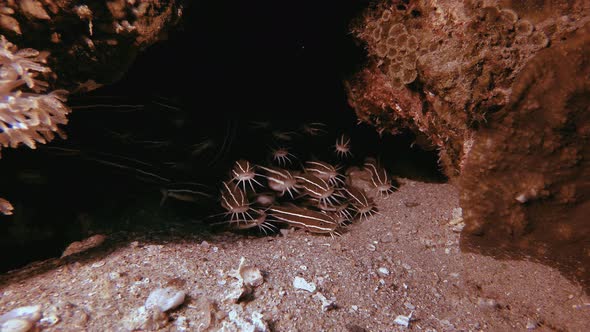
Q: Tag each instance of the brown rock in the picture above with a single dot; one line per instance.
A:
(525, 183)
(442, 71)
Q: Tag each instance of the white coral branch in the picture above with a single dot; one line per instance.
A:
(28, 114)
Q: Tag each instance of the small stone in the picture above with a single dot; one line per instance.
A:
(258, 321)
(383, 271)
(303, 267)
(485, 303)
(409, 306)
(531, 324)
(205, 245)
(250, 275)
(215, 249)
(49, 320)
(97, 264)
(181, 323)
(300, 283)
(371, 247)
(28, 313)
(16, 325)
(326, 304)
(403, 320)
(165, 299)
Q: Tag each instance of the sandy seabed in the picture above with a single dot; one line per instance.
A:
(404, 260)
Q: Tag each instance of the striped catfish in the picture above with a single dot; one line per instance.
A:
(234, 200)
(280, 180)
(379, 177)
(317, 188)
(310, 220)
(363, 205)
(244, 172)
(324, 171)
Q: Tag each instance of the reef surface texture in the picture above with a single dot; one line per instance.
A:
(525, 186)
(441, 68)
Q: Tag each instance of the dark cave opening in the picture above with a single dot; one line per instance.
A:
(184, 112)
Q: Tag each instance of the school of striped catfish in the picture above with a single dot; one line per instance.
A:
(313, 195)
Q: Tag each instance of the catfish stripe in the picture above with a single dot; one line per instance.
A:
(320, 167)
(378, 174)
(314, 183)
(358, 195)
(307, 225)
(279, 173)
(303, 215)
(239, 201)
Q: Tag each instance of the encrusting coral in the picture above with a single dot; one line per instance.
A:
(440, 68)
(28, 113)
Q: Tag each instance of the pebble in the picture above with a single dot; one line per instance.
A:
(98, 264)
(16, 325)
(165, 299)
(383, 271)
(49, 320)
(30, 313)
(531, 324)
(409, 306)
(403, 320)
(371, 247)
(485, 303)
(250, 275)
(205, 245)
(300, 283)
(20, 319)
(327, 304)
